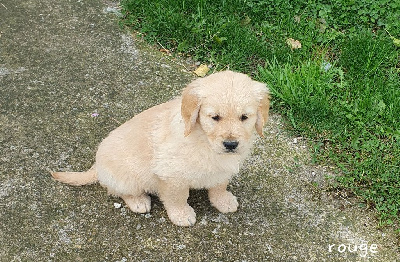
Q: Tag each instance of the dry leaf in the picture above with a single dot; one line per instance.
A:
(165, 51)
(396, 41)
(202, 70)
(293, 44)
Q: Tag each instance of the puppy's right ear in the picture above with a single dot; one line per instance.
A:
(190, 108)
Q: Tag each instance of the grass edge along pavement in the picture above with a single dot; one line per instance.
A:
(341, 89)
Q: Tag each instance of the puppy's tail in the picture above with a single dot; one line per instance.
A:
(77, 178)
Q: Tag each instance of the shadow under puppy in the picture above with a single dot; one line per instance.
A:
(198, 140)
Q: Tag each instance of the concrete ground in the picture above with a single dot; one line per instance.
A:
(68, 76)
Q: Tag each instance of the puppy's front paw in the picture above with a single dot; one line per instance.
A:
(224, 201)
(182, 216)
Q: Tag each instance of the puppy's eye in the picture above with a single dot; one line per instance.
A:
(216, 117)
(243, 117)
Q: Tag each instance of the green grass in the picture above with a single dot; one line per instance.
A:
(341, 89)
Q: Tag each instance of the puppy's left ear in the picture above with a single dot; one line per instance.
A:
(190, 108)
(263, 109)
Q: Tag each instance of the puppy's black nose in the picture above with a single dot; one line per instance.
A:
(230, 145)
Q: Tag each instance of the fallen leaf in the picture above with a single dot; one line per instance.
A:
(293, 44)
(165, 51)
(202, 70)
(396, 41)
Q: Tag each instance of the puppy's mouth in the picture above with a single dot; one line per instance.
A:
(230, 152)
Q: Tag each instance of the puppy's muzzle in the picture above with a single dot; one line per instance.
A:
(230, 146)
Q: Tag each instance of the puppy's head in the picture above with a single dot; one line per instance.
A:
(227, 107)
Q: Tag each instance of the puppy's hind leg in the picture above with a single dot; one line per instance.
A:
(138, 204)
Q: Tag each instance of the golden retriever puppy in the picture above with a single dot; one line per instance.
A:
(198, 140)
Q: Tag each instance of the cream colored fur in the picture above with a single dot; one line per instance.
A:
(189, 142)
